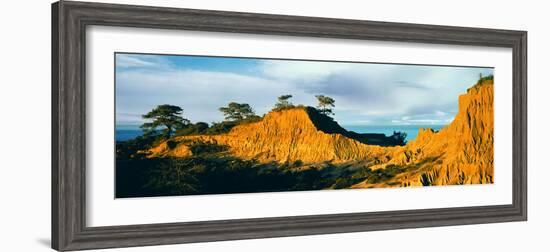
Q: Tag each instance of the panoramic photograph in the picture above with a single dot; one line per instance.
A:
(196, 125)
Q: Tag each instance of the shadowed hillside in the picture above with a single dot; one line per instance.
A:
(327, 125)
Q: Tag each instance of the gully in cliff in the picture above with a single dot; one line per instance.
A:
(188, 125)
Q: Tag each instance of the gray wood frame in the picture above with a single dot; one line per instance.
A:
(69, 20)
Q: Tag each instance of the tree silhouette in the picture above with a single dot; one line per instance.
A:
(237, 111)
(282, 102)
(325, 105)
(399, 138)
(168, 116)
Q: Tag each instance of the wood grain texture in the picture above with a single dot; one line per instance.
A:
(69, 20)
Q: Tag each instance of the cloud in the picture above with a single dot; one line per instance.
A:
(298, 71)
(410, 84)
(433, 118)
(383, 93)
(129, 118)
(199, 93)
(124, 61)
(364, 93)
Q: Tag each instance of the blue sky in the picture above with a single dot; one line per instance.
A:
(365, 93)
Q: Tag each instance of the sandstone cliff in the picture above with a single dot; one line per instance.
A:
(461, 153)
(283, 136)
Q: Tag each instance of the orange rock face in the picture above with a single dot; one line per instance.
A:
(461, 153)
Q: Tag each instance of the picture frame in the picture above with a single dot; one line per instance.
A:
(69, 22)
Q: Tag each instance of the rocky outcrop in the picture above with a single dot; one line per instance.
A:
(282, 136)
(460, 153)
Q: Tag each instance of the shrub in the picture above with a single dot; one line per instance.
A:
(193, 129)
(129, 149)
(486, 78)
(344, 182)
(399, 138)
(221, 127)
(226, 126)
(200, 148)
(382, 175)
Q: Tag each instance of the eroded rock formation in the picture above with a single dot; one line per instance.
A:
(460, 153)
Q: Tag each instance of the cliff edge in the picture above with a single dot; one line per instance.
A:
(460, 153)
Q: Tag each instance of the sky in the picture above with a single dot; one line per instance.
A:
(365, 93)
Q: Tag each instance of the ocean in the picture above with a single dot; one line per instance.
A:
(128, 132)
(411, 130)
